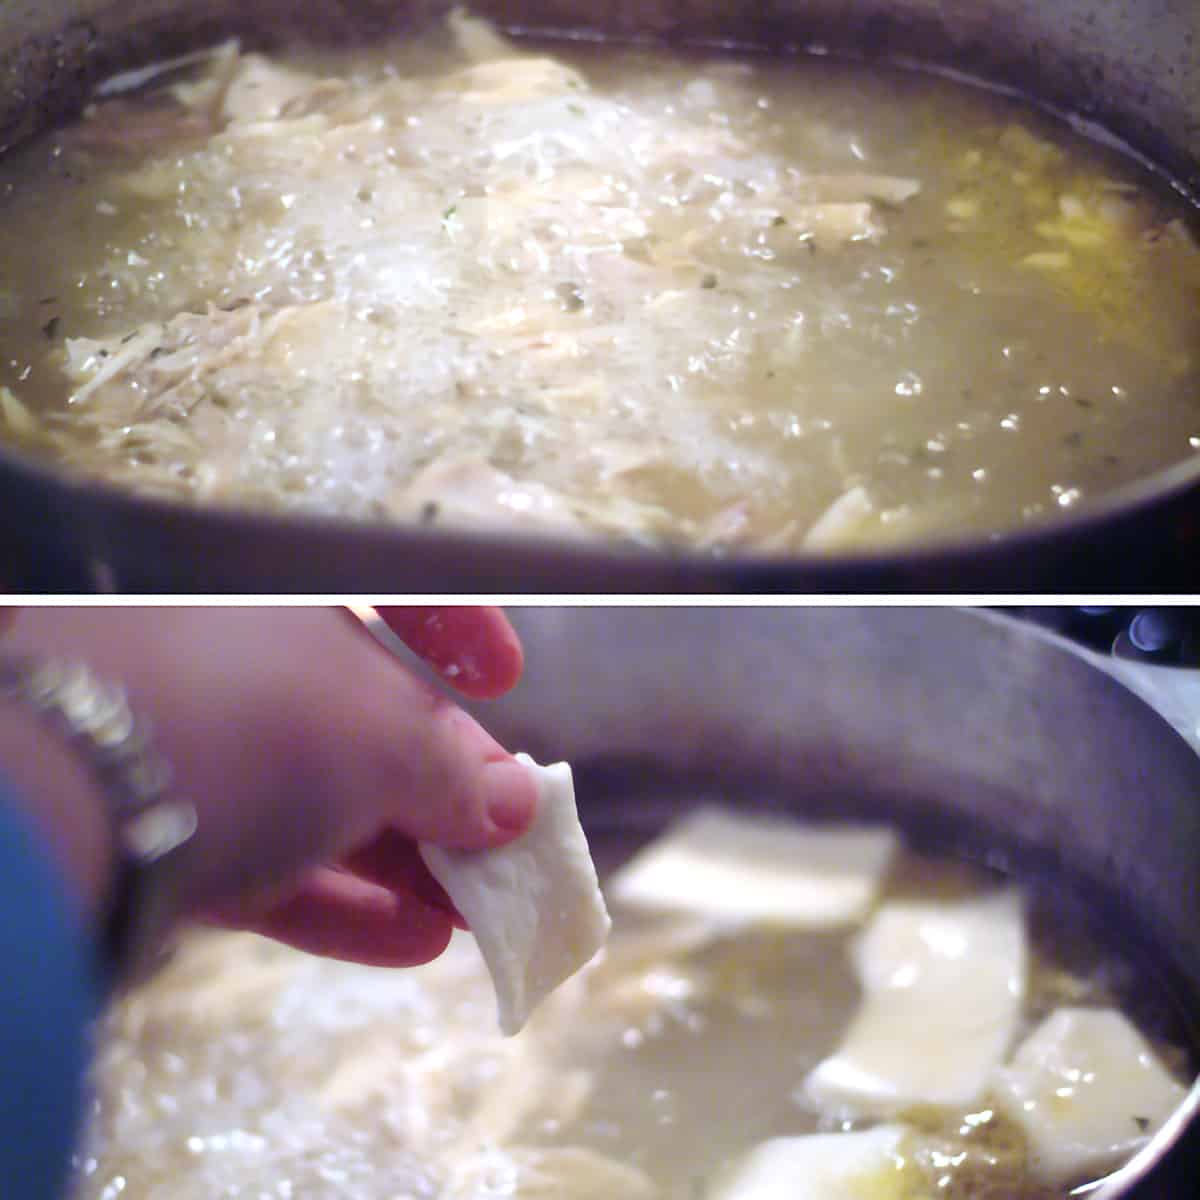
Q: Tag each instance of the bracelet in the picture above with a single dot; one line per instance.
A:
(149, 827)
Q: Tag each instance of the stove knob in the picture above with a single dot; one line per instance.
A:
(1164, 636)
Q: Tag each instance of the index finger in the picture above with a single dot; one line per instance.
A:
(472, 647)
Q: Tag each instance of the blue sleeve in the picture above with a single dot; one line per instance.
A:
(49, 994)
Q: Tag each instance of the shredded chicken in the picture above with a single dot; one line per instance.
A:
(361, 354)
(839, 523)
(831, 225)
(470, 492)
(845, 189)
(19, 421)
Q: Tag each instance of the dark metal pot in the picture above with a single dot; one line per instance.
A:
(1131, 65)
(974, 733)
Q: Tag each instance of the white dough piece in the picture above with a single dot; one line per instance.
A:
(534, 905)
(740, 869)
(943, 984)
(1087, 1090)
(867, 1165)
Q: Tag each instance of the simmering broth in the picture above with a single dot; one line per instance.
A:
(781, 305)
(252, 1070)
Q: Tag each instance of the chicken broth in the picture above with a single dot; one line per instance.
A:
(702, 300)
(252, 1070)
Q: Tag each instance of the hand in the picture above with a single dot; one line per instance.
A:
(315, 759)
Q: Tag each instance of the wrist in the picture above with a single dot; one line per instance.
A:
(122, 852)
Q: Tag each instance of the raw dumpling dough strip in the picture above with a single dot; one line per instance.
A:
(736, 869)
(869, 1164)
(534, 905)
(943, 983)
(1088, 1090)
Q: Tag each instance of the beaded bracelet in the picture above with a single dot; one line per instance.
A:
(149, 827)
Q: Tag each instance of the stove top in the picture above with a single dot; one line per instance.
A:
(1165, 636)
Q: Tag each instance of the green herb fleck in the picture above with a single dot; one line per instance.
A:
(571, 296)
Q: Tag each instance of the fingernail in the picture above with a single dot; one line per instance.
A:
(511, 792)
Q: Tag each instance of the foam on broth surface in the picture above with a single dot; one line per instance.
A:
(779, 305)
(249, 1069)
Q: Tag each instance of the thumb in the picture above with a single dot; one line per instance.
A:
(427, 768)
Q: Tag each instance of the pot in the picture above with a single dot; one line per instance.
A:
(974, 733)
(1129, 65)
